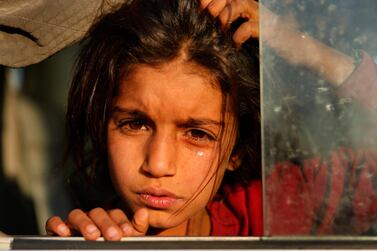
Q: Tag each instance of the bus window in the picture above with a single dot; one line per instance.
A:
(319, 89)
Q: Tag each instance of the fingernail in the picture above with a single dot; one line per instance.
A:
(63, 229)
(91, 229)
(112, 232)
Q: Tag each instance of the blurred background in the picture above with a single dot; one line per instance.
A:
(32, 101)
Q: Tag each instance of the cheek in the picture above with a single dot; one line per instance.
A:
(199, 168)
(216, 165)
(201, 159)
(125, 158)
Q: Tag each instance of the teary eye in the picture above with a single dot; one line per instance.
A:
(200, 135)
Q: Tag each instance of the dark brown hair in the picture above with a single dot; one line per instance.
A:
(153, 32)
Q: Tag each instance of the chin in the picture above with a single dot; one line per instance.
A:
(164, 220)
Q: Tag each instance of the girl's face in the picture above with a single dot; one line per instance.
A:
(164, 141)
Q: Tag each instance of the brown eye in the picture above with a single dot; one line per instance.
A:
(199, 135)
(133, 125)
(137, 125)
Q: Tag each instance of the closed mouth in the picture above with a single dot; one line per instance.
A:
(157, 198)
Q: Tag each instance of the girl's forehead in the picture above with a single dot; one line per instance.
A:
(178, 80)
(176, 86)
(180, 64)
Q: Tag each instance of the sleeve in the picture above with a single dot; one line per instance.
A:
(240, 213)
(246, 203)
(361, 85)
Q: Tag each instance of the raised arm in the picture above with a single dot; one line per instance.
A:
(283, 37)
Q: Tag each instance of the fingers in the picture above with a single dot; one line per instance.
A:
(140, 221)
(120, 218)
(215, 7)
(227, 11)
(246, 31)
(80, 221)
(108, 222)
(205, 3)
(56, 226)
(137, 227)
(112, 224)
(139, 224)
(239, 8)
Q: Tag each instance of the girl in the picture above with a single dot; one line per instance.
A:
(187, 162)
(164, 109)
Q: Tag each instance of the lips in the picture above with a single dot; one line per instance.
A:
(157, 198)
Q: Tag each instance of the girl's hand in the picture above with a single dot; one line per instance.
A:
(227, 11)
(112, 224)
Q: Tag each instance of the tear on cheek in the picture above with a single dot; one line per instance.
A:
(200, 153)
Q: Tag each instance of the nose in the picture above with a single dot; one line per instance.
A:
(160, 154)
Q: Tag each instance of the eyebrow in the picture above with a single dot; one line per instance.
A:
(193, 122)
(190, 122)
(132, 112)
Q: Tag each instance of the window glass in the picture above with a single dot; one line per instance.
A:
(319, 116)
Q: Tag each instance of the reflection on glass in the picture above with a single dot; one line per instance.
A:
(319, 116)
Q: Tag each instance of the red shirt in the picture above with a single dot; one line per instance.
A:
(240, 213)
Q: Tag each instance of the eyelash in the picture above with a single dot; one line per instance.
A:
(206, 136)
(137, 125)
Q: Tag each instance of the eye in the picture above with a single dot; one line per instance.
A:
(133, 125)
(200, 135)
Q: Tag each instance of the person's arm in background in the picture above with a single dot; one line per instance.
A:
(358, 82)
(283, 37)
(355, 80)
(299, 48)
